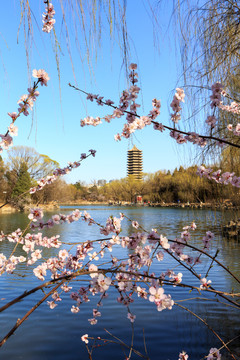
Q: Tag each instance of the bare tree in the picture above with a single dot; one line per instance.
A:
(38, 165)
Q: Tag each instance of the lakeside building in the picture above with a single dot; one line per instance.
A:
(135, 163)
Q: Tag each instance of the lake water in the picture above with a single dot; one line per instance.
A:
(56, 334)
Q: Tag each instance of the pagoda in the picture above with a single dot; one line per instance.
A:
(134, 163)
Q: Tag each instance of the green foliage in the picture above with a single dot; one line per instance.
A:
(23, 183)
(3, 183)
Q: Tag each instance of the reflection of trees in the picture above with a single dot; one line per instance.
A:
(230, 255)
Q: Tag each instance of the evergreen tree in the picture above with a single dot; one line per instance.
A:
(23, 183)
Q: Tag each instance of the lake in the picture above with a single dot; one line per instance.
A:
(56, 334)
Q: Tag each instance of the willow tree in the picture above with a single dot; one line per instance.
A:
(208, 36)
(82, 23)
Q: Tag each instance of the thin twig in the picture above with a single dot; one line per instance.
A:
(20, 321)
(209, 327)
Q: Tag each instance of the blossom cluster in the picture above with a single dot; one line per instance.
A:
(235, 130)
(30, 241)
(48, 20)
(205, 283)
(222, 178)
(211, 121)
(127, 101)
(216, 96)
(59, 172)
(192, 137)
(216, 101)
(175, 105)
(36, 215)
(233, 108)
(214, 354)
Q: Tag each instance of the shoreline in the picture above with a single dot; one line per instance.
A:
(54, 205)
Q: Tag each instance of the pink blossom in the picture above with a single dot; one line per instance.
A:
(84, 338)
(159, 126)
(93, 152)
(13, 130)
(216, 94)
(164, 242)
(104, 282)
(6, 141)
(117, 113)
(202, 171)
(183, 356)
(63, 254)
(117, 137)
(13, 115)
(211, 120)
(131, 317)
(35, 214)
(156, 294)
(133, 66)
(214, 354)
(93, 269)
(205, 283)
(177, 278)
(40, 271)
(237, 130)
(96, 312)
(135, 224)
(233, 108)
(48, 20)
(180, 95)
(41, 75)
(141, 292)
(159, 255)
(75, 309)
(51, 304)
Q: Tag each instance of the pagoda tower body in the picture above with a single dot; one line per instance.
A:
(134, 163)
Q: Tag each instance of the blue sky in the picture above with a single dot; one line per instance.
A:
(55, 127)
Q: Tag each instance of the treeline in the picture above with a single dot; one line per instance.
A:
(25, 166)
(163, 186)
(182, 185)
(21, 171)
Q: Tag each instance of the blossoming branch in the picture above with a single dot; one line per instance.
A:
(25, 103)
(137, 122)
(60, 172)
(48, 21)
